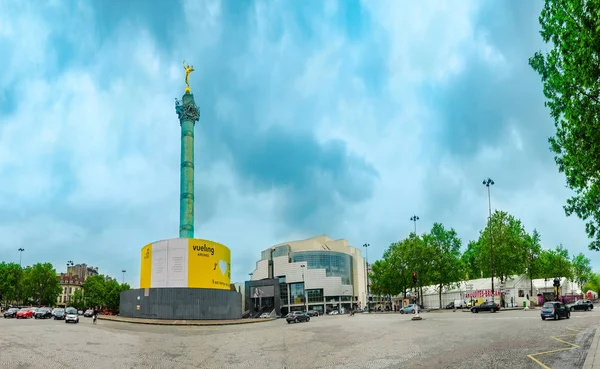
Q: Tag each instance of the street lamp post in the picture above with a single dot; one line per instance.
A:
(366, 246)
(304, 284)
(123, 271)
(414, 219)
(67, 295)
(488, 183)
(21, 256)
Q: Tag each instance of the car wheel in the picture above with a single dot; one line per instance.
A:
(572, 308)
(556, 317)
(493, 310)
(543, 318)
(588, 309)
(401, 311)
(568, 315)
(296, 320)
(308, 319)
(289, 322)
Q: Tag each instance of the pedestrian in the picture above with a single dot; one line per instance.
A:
(94, 315)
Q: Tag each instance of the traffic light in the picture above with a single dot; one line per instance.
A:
(414, 278)
(556, 282)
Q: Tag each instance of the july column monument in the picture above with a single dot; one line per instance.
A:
(188, 114)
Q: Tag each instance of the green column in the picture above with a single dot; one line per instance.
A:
(188, 114)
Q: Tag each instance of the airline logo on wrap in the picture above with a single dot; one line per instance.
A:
(208, 265)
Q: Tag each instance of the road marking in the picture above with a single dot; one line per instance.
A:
(573, 346)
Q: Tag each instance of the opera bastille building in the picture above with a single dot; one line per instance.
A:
(313, 274)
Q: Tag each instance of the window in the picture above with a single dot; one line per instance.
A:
(315, 295)
(297, 293)
(336, 264)
(521, 293)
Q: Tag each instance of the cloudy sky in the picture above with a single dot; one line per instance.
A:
(317, 117)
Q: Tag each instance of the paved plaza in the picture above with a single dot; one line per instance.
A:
(443, 340)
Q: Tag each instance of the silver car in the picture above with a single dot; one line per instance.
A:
(71, 315)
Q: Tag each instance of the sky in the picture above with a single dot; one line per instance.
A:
(342, 118)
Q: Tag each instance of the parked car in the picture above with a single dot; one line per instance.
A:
(43, 313)
(297, 317)
(11, 313)
(410, 309)
(555, 310)
(312, 313)
(265, 315)
(59, 314)
(486, 306)
(585, 305)
(24, 313)
(71, 315)
(88, 313)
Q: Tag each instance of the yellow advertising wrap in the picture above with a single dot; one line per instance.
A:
(146, 267)
(208, 264)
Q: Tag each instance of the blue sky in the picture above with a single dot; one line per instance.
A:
(336, 117)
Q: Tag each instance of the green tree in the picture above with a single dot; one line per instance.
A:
(469, 260)
(582, 270)
(570, 74)
(508, 243)
(593, 284)
(443, 251)
(95, 292)
(78, 300)
(556, 263)
(41, 284)
(532, 264)
(10, 282)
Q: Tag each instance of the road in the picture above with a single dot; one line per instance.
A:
(442, 340)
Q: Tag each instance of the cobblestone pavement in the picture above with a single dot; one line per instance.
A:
(443, 340)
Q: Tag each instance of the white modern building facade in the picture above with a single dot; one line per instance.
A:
(318, 273)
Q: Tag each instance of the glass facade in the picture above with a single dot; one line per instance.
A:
(283, 293)
(297, 293)
(315, 295)
(336, 264)
(276, 251)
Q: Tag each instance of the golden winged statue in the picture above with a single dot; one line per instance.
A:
(188, 69)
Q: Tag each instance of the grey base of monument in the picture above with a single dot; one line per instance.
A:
(416, 318)
(181, 304)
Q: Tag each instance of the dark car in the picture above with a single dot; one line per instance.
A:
(11, 313)
(585, 305)
(297, 317)
(486, 306)
(88, 313)
(450, 305)
(59, 314)
(555, 310)
(43, 313)
(312, 313)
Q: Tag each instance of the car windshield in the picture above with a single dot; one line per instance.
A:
(548, 306)
(71, 311)
(24, 309)
(58, 310)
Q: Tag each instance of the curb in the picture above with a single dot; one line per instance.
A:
(198, 323)
(591, 354)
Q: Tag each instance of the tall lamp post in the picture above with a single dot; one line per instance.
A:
(488, 183)
(21, 256)
(366, 246)
(67, 295)
(123, 271)
(304, 284)
(414, 219)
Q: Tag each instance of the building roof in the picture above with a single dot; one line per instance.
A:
(317, 243)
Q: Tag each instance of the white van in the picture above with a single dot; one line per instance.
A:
(460, 304)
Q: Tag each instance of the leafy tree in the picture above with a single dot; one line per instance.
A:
(582, 270)
(570, 74)
(556, 263)
(508, 243)
(94, 289)
(443, 250)
(469, 260)
(41, 284)
(78, 300)
(593, 284)
(10, 281)
(532, 264)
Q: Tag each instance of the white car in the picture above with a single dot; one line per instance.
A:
(71, 315)
(265, 315)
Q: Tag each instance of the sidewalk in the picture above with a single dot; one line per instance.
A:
(115, 318)
(592, 359)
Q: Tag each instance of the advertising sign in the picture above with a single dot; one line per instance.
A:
(208, 265)
(185, 262)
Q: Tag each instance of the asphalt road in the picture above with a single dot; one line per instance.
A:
(442, 340)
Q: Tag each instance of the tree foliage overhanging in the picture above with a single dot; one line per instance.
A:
(570, 73)
(437, 259)
(40, 285)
